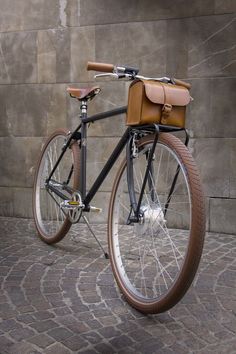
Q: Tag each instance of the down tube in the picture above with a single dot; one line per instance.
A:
(112, 159)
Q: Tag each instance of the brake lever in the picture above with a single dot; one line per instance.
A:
(116, 76)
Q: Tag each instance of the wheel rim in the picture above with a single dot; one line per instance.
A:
(49, 216)
(149, 256)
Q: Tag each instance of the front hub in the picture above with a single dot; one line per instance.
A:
(152, 219)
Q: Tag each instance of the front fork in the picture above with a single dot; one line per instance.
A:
(135, 214)
(131, 153)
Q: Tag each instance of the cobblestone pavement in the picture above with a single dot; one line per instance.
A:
(62, 299)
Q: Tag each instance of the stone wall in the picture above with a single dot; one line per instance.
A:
(44, 46)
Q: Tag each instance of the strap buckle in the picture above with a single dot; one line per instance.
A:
(166, 109)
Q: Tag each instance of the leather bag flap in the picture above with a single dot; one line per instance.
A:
(161, 93)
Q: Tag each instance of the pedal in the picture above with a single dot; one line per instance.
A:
(69, 204)
(73, 202)
(73, 207)
(95, 209)
(66, 205)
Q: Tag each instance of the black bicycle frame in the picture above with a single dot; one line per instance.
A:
(80, 134)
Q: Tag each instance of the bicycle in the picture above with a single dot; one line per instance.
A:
(156, 217)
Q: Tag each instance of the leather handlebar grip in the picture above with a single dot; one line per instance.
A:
(106, 68)
(182, 83)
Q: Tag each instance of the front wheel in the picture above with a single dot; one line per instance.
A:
(155, 259)
(51, 222)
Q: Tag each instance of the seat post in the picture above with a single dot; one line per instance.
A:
(83, 108)
(83, 115)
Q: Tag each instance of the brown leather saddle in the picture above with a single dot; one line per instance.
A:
(81, 94)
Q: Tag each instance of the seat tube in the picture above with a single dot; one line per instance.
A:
(83, 157)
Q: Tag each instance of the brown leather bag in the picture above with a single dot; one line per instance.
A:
(156, 102)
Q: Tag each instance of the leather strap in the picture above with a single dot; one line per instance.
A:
(166, 109)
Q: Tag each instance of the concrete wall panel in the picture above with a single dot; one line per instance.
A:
(32, 110)
(222, 215)
(107, 11)
(16, 202)
(18, 158)
(232, 177)
(6, 201)
(138, 44)
(211, 50)
(212, 111)
(213, 159)
(53, 51)
(18, 59)
(82, 50)
(177, 48)
(18, 15)
(224, 6)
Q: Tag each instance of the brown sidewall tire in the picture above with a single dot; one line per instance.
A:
(196, 238)
(76, 156)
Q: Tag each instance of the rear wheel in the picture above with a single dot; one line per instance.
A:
(155, 260)
(51, 222)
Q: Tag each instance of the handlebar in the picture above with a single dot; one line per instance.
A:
(131, 72)
(182, 83)
(106, 68)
